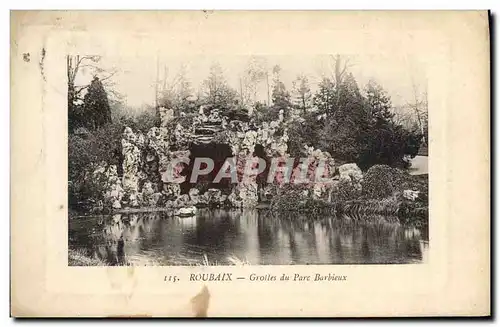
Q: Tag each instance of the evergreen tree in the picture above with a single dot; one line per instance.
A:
(280, 96)
(379, 103)
(302, 93)
(324, 99)
(97, 111)
(218, 94)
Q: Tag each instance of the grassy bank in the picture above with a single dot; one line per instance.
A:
(79, 258)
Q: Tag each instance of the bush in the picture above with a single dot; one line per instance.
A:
(101, 145)
(382, 181)
(289, 197)
(304, 132)
(345, 190)
(142, 121)
(85, 153)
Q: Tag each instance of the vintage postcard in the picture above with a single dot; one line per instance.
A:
(250, 164)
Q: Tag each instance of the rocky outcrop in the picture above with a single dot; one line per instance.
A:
(194, 196)
(114, 191)
(149, 197)
(153, 163)
(166, 115)
(351, 174)
(131, 161)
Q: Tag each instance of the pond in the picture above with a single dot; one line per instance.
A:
(419, 165)
(257, 237)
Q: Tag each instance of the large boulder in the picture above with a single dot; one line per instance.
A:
(182, 201)
(131, 161)
(351, 173)
(166, 115)
(149, 196)
(213, 197)
(114, 191)
(245, 195)
(194, 196)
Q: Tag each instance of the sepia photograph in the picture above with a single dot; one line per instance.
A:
(247, 160)
(217, 163)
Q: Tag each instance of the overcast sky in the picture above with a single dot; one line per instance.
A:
(137, 75)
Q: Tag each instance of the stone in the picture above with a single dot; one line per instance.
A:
(171, 191)
(351, 173)
(194, 196)
(166, 115)
(247, 194)
(149, 197)
(410, 194)
(213, 196)
(183, 201)
(131, 160)
(157, 197)
(133, 200)
(111, 184)
(234, 199)
(185, 212)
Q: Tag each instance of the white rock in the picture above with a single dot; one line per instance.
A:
(410, 194)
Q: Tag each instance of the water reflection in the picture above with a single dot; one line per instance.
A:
(251, 236)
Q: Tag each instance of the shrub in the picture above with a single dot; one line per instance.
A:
(382, 181)
(85, 153)
(289, 197)
(101, 145)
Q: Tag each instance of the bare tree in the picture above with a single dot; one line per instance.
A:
(302, 92)
(175, 92)
(420, 109)
(253, 75)
(340, 68)
(339, 73)
(77, 63)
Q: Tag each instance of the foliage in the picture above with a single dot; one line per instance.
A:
(84, 153)
(281, 98)
(302, 93)
(79, 257)
(263, 113)
(304, 132)
(139, 120)
(94, 112)
(382, 181)
(255, 72)
(324, 98)
(96, 106)
(179, 95)
(359, 128)
(345, 191)
(353, 125)
(217, 92)
(289, 197)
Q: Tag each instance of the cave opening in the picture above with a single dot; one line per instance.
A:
(218, 153)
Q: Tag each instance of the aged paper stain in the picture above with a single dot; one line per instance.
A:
(41, 64)
(200, 302)
(208, 13)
